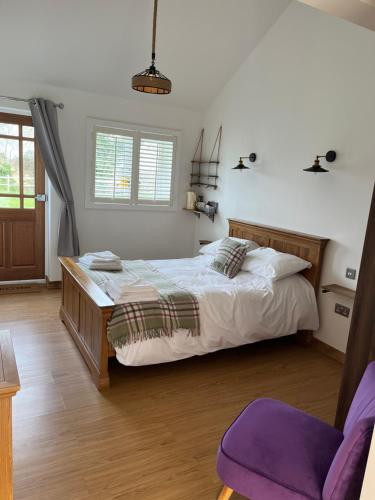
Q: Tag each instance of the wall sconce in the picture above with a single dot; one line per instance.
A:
(252, 158)
(317, 168)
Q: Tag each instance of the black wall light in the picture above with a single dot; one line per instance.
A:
(317, 168)
(252, 158)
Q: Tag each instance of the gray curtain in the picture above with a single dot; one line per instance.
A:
(44, 115)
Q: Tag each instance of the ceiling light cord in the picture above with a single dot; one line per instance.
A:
(154, 32)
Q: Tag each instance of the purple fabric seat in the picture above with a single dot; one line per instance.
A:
(273, 451)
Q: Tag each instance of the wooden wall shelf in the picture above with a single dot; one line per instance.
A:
(339, 290)
(204, 175)
(206, 169)
(198, 213)
(203, 184)
(195, 212)
(208, 162)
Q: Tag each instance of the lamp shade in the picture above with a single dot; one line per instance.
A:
(241, 166)
(316, 168)
(151, 81)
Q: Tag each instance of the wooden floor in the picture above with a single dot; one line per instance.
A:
(154, 434)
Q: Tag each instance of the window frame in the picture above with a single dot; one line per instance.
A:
(135, 130)
(20, 120)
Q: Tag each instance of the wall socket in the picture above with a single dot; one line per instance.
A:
(342, 310)
(350, 273)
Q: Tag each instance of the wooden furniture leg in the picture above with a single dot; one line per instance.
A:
(9, 385)
(225, 493)
(305, 338)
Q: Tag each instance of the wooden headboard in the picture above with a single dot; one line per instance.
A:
(306, 246)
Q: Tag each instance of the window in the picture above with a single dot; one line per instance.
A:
(131, 167)
(17, 162)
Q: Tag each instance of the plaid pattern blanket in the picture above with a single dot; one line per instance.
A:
(137, 321)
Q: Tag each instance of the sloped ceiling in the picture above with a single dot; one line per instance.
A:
(97, 45)
(360, 12)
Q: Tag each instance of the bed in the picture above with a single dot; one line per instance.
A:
(282, 309)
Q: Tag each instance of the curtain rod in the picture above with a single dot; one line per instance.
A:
(60, 105)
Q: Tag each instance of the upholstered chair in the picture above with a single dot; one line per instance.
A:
(273, 451)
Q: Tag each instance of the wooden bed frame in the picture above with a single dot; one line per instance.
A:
(86, 309)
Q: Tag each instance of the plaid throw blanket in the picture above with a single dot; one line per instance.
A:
(137, 321)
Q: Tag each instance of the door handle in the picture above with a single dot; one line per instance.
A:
(41, 197)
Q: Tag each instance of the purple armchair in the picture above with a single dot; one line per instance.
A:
(273, 451)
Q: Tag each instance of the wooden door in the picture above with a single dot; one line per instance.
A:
(21, 215)
(361, 343)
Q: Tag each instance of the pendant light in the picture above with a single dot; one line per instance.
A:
(151, 80)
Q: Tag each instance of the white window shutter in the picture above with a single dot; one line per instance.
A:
(113, 166)
(156, 169)
(131, 167)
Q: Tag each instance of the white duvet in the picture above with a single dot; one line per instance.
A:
(233, 312)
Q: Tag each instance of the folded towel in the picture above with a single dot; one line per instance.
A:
(105, 261)
(126, 300)
(121, 299)
(102, 266)
(130, 288)
(136, 286)
(106, 266)
(122, 293)
(106, 255)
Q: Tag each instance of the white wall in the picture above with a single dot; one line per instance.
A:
(307, 88)
(131, 234)
(361, 12)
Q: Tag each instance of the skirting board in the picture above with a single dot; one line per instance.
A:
(51, 285)
(328, 350)
(20, 288)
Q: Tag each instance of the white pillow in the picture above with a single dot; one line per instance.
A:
(213, 247)
(273, 265)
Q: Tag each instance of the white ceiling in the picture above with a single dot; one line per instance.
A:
(360, 12)
(97, 45)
